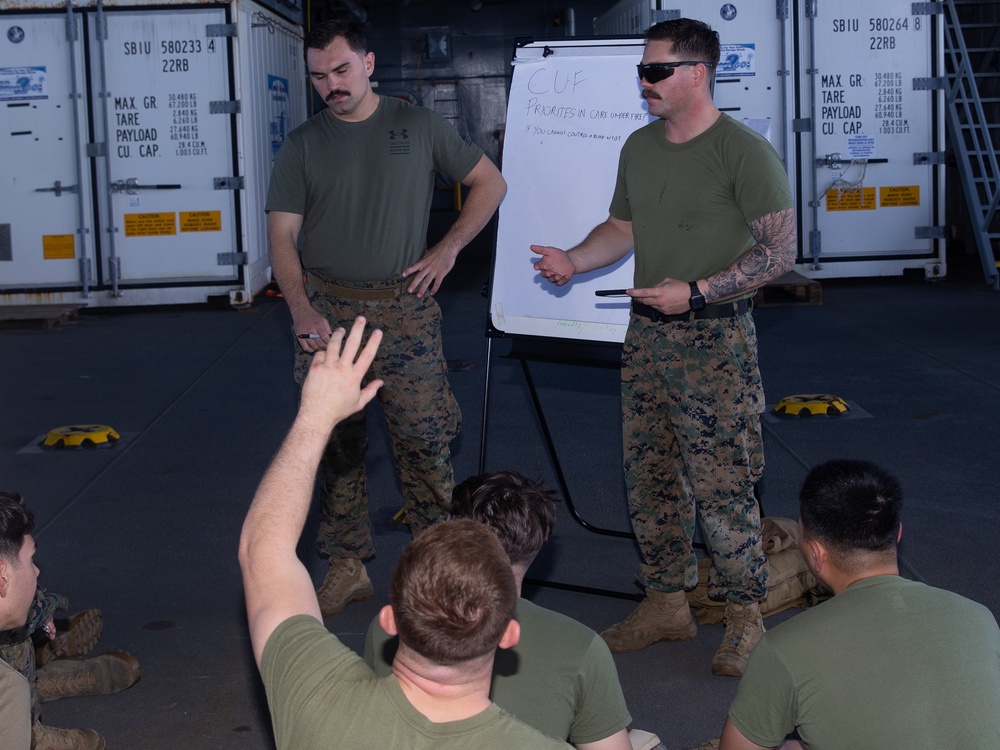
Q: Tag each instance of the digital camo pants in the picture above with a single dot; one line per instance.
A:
(691, 404)
(17, 648)
(421, 414)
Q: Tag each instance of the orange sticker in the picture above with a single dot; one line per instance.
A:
(58, 246)
(150, 225)
(899, 195)
(201, 221)
(853, 199)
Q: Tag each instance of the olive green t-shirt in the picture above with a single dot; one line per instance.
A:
(689, 203)
(322, 695)
(560, 678)
(888, 663)
(15, 708)
(364, 189)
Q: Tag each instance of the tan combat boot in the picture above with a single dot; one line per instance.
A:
(744, 627)
(67, 678)
(54, 738)
(347, 581)
(78, 639)
(659, 617)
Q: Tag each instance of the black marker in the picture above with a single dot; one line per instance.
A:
(310, 336)
(611, 293)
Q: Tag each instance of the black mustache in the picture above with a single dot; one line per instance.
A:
(338, 92)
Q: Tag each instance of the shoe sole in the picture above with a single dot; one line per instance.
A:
(357, 596)
(726, 672)
(687, 635)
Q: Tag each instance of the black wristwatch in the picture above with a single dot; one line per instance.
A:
(697, 300)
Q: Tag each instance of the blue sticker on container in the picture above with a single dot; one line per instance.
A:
(737, 60)
(19, 84)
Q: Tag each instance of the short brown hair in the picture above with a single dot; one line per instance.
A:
(690, 38)
(322, 35)
(520, 512)
(16, 522)
(453, 592)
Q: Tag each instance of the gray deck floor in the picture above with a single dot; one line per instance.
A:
(147, 530)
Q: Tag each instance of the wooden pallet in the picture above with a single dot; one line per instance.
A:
(791, 289)
(38, 317)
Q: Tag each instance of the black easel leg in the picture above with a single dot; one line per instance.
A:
(550, 445)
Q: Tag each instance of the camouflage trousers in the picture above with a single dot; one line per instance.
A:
(18, 650)
(421, 414)
(691, 404)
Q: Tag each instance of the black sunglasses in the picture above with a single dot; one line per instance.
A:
(656, 72)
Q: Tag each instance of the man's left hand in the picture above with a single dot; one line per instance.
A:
(428, 272)
(670, 296)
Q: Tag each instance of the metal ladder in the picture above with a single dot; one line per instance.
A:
(972, 87)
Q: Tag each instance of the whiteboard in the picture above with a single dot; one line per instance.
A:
(572, 104)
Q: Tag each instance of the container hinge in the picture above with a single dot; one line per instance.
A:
(815, 240)
(926, 9)
(58, 188)
(101, 32)
(71, 35)
(233, 259)
(224, 108)
(228, 183)
(95, 150)
(802, 125)
(220, 29)
(929, 158)
(781, 10)
(927, 84)
(811, 10)
(929, 233)
(85, 273)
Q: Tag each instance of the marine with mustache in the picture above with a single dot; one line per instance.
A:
(348, 208)
(705, 202)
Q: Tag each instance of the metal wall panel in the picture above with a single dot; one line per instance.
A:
(871, 181)
(46, 210)
(273, 101)
(182, 111)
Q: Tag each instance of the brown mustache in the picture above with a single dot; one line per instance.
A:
(647, 94)
(338, 92)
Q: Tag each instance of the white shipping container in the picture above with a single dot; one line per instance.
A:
(138, 143)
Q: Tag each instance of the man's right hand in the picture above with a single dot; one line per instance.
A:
(555, 265)
(332, 390)
(312, 329)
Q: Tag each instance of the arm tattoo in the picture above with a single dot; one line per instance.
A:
(773, 255)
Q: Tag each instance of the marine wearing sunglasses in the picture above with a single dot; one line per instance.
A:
(660, 71)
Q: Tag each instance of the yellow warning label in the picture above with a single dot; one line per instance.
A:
(201, 221)
(150, 225)
(58, 247)
(855, 199)
(899, 195)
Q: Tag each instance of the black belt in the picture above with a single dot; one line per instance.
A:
(725, 310)
(355, 293)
